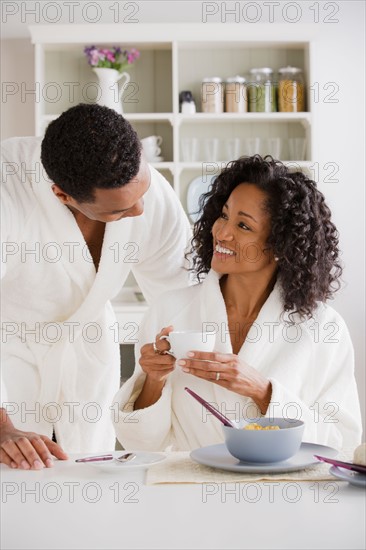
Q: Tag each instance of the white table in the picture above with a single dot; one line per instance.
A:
(76, 506)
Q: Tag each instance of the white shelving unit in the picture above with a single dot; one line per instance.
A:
(173, 58)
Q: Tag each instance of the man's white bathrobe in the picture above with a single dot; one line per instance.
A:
(310, 366)
(60, 351)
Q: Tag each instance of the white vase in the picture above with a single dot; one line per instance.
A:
(111, 88)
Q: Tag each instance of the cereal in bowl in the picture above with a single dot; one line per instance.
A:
(255, 426)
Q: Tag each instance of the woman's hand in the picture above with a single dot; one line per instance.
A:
(157, 364)
(231, 372)
(26, 450)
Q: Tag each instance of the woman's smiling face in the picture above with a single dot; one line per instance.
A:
(241, 233)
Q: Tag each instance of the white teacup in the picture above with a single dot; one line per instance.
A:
(183, 341)
(151, 146)
(152, 140)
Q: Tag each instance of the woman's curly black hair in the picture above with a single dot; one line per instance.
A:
(88, 147)
(302, 237)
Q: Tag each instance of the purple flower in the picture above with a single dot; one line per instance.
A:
(109, 55)
(113, 58)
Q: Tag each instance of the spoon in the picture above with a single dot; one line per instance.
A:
(347, 465)
(224, 419)
(125, 458)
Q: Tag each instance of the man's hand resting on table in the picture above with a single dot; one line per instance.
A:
(26, 450)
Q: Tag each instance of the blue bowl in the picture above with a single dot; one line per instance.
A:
(265, 446)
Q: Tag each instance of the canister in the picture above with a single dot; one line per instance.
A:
(212, 95)
(236, 95)
(262, 91)
(291, 90)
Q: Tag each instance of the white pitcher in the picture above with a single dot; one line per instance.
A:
(111, 89)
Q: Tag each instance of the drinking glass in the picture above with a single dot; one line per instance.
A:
(297, 148)
(273, 147)
(211, 149)
(190, 149)
(251, 145)
(232, 148)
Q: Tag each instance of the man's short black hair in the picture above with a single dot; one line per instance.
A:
(88, 147)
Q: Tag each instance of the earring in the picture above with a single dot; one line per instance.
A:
(276, 258)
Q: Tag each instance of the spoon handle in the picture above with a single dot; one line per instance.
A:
(212, 409)
(347, 465)
(94, 458)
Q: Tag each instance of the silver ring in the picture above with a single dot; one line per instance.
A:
(156, 350)
(217, 376)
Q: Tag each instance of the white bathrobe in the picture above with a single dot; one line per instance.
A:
(60, 351)
(310, 366)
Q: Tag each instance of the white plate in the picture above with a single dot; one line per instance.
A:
(354, 478)
(196, 188)
(217, 456)
(143, 459)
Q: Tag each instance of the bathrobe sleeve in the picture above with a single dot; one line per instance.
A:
(148, 429)
(165, 237)
(332, 415)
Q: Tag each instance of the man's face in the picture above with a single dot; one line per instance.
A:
(111, 205)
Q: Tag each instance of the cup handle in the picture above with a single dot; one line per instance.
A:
(168, 351)
(159, 140)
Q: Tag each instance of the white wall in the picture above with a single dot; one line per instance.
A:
(340, 138)
(17, 66)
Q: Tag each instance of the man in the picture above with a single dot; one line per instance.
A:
(62, 262)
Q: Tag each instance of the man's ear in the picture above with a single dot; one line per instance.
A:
(61, 195)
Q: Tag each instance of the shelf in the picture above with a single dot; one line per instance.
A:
(180, 166)
(149, 117)
(303, 117)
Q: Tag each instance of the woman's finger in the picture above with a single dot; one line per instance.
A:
(161, 344)
(206, 366)
(158, 359)
(164, 332)
(212, 376)
(211, 356)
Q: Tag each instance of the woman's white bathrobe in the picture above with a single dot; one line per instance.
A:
(311, 368)
(60, 351)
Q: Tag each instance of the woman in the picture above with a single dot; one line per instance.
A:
(270, 252)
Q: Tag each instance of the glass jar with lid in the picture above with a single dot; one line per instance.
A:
(212, 95)
(291, 90)
(236, 95)
(262, 91)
